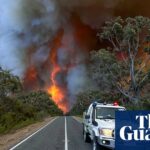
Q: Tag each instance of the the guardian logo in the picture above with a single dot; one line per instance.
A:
(132, 130)
(140, 134)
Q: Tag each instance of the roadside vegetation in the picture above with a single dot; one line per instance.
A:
(121, 70)
(19, 108)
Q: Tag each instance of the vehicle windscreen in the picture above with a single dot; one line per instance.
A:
(106, 113)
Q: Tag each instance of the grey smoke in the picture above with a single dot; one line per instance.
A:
(27, 23)
(37, 21)
(77, 79)
(41, 55)
(24, 23)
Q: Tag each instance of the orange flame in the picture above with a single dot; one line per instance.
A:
(57, 92)
(84, 38)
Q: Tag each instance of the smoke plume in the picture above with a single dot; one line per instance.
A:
(47, 42)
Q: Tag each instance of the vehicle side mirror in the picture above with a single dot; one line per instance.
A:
(94, 123)
(87, 116)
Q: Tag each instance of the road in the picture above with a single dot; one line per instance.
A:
(63, 133)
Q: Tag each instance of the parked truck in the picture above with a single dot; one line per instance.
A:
(99, 125)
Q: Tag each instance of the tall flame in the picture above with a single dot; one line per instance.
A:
(62, 73)
(57, 92)
(51, 60)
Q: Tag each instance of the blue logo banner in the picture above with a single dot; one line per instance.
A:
(132, 130)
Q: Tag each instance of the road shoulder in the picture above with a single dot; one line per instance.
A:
(10, 139)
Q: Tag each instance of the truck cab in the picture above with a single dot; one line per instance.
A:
(99, 125)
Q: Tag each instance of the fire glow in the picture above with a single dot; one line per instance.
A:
(57, 93)
(74, 44)
(47, 42)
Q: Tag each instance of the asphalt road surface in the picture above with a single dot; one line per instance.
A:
(63, 133)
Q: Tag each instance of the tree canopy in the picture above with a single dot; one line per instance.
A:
(18, 107)
(130, 37)
(9, 84)
(120, 70)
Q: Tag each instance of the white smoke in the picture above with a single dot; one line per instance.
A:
(24, 23)
(77, 79)
(34, 23)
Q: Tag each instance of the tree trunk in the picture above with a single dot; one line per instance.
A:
(134, 85)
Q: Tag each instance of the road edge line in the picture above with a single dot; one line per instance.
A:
(33, 134)
(66, 136)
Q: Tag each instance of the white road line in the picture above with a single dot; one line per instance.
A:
(66, 136)
(33, 134)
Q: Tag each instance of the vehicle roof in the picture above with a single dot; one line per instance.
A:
(108, 105)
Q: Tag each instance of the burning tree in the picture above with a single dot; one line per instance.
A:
(130, 41)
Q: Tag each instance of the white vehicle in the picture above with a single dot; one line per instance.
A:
(99, 125)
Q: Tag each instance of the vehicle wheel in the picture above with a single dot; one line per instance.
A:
(86, 137)
(96, 146)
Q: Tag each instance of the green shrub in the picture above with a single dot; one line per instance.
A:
(19, 108)
(25, 109)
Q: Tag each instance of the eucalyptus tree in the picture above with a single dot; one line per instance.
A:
(130, 38)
